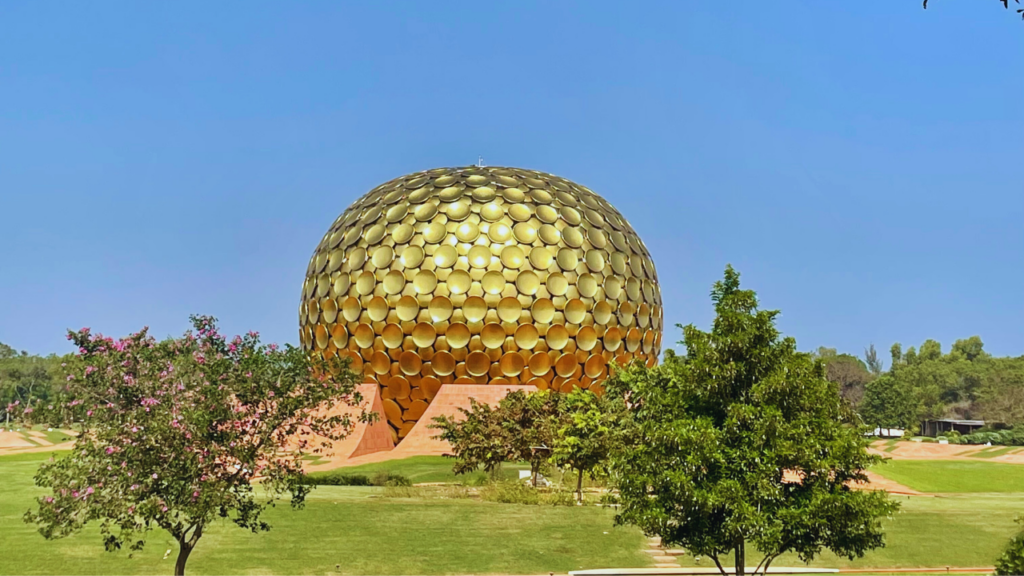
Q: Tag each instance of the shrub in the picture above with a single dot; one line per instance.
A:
(560, 498)
(386, 478)
(1012, 560)
(335, 478)
(509, 492)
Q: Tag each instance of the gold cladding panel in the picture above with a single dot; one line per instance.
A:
(480, 275)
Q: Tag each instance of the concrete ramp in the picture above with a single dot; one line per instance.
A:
(365, 438)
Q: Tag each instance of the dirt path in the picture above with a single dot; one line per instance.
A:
(934, 451)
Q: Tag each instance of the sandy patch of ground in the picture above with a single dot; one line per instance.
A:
(935, 451)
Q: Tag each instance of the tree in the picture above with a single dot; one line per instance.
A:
(177, 432)
(874, 363)
(25, 378)
(1011, 563)
(969, 349)
(888, 403)
(485, 437)
(741, 441)
(846, 370)
(586, 436)
(1006, 4)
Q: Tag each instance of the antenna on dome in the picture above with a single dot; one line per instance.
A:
(479, 161)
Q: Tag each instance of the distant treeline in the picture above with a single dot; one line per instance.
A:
(920, 383)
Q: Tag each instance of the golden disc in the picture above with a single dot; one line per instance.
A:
(566, 365)
(587, 285)
(593, 216)
(493, 282)
(424, 282)
(459, 282)
(407, 308)
(322, 338)
(377, 308)
(594, 260)
(425, 212)
(351, 309)
(633, 339)
(527, 283)
(380, 362)
(618, 262)
(383, 256)
(434, 232)
(335, 260)
(548, 234)
(526, 336)
(483, 193)
(443, 363)
(547, 214)
(467, 232)
(597, 237)
(392, 336)
(539, 363)
(540, 196)
(451, 193)
(341, 284)
(519, 212)
(412, 256)
(612, 287)
(365, 283)
(474, 309)
(364, 336)
(512, 364)
(395, 214)
(440, 309)
(374, 234)
(513, 194)
(594, 367)
(329, 310)
(445, 256)
(612, 339)
(491, 212)
(479, 256)
(567, 259)
(509, 309)
(339, 336)
(423, 334)
(393, 411)
(557, 284)
(633, 288)
(512, 256)
(410, 363)
(575, 311)
(314, 311)
(458, 211)
(586, 338)
(543, 311)
(572, 237)
(524, 233)
(571, 215)
(477, 363)
(541, 258)
(492, 335)
(457, 335)
(557, 337)
(394, 282)
(603, 312)
(420, 194)
(499, 232)
(563, 195)
(399, 387)
(357, 258)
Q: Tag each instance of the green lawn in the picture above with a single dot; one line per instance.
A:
(954, 476)
(351, 527)
(421, 469)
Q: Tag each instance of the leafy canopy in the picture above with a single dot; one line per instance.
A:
(178, 432)
(743, 440)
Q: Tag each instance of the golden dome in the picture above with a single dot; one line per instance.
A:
(480, 275)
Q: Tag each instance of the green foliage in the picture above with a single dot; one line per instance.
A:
(889, 403)
(588, 432)
(177, 432)
(485, 436)
(1011, 562)
(26, 380)
(386, 478)
(710, 434)
(334, 478)
(846, 370)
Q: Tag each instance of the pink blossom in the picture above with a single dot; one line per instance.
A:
(110, 449)
(49, 499)
(89, 490)
(154, 476)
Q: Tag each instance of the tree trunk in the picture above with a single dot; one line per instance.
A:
(579, 487)
(184, 549)
(741, 559)
(534, 470)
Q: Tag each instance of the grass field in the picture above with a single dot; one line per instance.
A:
(955, 476)
(423, 469)
(349, 530)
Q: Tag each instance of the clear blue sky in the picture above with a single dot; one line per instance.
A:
(860, 163)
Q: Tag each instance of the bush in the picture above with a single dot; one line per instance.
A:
(561, 498)
(1012, 560)
(335, 478)
(385, 478)
(510, 492)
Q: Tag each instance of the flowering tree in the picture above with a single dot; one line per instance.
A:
(180, 432)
